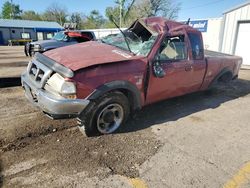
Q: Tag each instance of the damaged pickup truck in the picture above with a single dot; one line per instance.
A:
(101, 82)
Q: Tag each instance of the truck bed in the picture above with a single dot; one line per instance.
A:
(218, 62)
(209, 53)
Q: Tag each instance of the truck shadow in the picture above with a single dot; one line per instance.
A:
(176, 108)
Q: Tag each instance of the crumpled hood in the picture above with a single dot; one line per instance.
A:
(86, 54)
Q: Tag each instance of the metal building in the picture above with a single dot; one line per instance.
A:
(11, 30)
(235, 33)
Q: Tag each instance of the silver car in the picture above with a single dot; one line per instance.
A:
(62, 38)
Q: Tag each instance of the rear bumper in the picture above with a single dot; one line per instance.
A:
(54, 106)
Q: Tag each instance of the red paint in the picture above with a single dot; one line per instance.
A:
(76, 34)
(96, 63)
(87, 54)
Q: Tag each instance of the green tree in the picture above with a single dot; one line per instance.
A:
(11, 11)
(30, 15)
(166, 8)
(77, 18)
(121, 12)
(94, 20)
(56, 12)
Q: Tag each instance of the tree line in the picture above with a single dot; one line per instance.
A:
(127, 10)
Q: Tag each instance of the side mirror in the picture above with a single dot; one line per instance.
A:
(157, 67)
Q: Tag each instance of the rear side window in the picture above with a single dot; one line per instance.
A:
(81, 39)
(89, 35)
(196, 44)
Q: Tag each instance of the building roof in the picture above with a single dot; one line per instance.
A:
(28, 24)
(237, 7)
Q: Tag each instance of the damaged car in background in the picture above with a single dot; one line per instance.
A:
(62, 38)
(101, 82)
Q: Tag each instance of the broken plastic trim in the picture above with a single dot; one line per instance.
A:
(142, 22)
(64, 71)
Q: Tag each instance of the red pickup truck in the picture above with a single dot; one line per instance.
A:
(102, 82)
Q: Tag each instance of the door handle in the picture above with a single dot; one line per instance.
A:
(188, 68)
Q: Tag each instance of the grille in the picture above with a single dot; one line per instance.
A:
(38, 73)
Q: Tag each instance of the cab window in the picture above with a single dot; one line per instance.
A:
(173, 48)
(197, 47)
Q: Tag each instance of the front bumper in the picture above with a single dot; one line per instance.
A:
(56, 107)
(29, 50)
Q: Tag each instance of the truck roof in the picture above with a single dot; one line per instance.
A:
(161, 25)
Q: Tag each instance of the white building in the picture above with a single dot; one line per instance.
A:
(235, 33)
(229, 34)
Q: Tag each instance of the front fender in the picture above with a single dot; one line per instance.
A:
(119, 85)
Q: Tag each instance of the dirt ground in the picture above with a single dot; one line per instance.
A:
(12, 61)
(58, 148)
(198, 140)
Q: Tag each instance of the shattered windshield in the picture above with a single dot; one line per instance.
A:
(137, 45)
(60, 36)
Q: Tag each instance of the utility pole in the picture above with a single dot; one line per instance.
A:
(11, 9)
(121, 13)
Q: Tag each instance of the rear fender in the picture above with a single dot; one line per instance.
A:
(222, 72)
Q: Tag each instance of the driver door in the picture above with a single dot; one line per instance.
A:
(173, 61)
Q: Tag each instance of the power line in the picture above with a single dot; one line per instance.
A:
(203, 5)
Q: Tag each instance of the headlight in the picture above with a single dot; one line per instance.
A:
(68, 88)
(57, 84)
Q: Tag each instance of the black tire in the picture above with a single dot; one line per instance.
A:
(219, 82)
(91, 114)
(25, 49)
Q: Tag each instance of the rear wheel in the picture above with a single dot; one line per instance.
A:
(225, 78)
(219, 83)
(106, 114)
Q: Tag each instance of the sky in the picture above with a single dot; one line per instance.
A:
(194, 9)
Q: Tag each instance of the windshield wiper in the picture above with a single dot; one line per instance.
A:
(123, 34)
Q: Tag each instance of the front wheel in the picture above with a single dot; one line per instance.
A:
(106, 114)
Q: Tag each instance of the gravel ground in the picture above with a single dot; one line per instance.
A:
(38, 152)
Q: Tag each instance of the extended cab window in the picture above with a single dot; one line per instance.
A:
(173, 48)
(196, 44)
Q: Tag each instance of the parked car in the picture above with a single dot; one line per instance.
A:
(62, 38)
(102, 82)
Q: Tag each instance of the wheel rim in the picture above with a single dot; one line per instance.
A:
(110, 118)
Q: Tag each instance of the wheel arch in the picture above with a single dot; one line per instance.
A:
(223, 72)
(126, 87)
